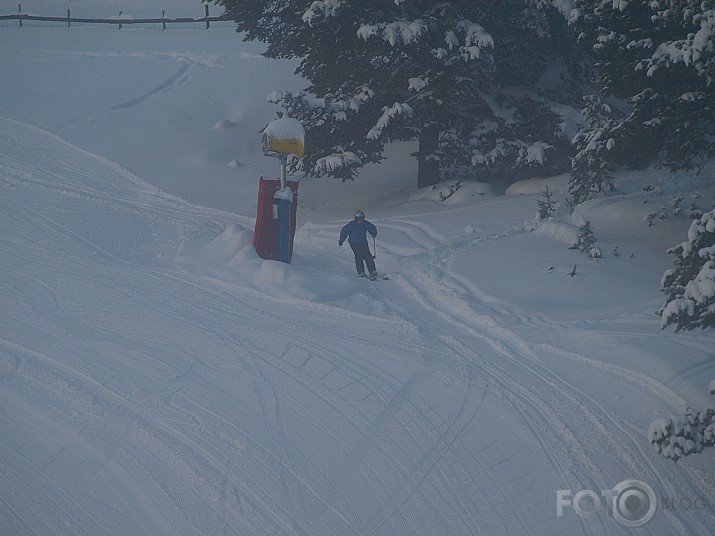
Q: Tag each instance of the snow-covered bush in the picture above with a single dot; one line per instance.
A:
(690, 285)
(681, 435)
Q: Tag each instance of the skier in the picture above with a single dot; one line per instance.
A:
(356, 233)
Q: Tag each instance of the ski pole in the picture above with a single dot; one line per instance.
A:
(374, 248)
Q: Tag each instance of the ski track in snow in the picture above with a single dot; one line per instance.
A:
(176, 404)
(436, 289)
(160, 438)
(180, 77)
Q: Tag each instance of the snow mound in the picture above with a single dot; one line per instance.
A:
(231, 258)
(226, 245)
(225, 124)
(453, 192)
(538, 185)
(559, 231)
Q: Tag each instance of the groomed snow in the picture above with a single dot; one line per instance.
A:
(158, 377)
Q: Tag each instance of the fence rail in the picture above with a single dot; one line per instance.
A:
(118, 21)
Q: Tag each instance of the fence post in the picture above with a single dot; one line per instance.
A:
(120, 19)
(19, 12)
(163, 20)
(68, 17)
(207, 16)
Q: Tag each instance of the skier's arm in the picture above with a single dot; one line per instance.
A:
(344, 232)
(372, 230)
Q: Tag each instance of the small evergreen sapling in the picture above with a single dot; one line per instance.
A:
(695, 211)
(675, 204)
(586, 239)
(547, 205)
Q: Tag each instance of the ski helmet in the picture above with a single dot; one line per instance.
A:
(359, 215)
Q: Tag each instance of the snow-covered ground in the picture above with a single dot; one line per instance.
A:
(157, 377)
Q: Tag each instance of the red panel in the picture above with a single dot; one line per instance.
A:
(265, 235)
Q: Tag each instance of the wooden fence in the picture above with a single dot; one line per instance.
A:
(118, 21)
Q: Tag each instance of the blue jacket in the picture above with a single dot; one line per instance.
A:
(357, 232)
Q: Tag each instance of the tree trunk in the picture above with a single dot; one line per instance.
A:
(427, 168)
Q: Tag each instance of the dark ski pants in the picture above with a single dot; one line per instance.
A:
(363, 255)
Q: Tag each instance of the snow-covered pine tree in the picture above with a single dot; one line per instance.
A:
(590, 171)
(524, 138)
(690, 285)
(655, 61)
(435, 72)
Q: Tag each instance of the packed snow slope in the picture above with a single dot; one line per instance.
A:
(158, 378)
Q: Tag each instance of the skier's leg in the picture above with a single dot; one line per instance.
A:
(363, 250)
(358, 259)
(370, 261)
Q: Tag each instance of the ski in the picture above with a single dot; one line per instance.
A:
(383, 277)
